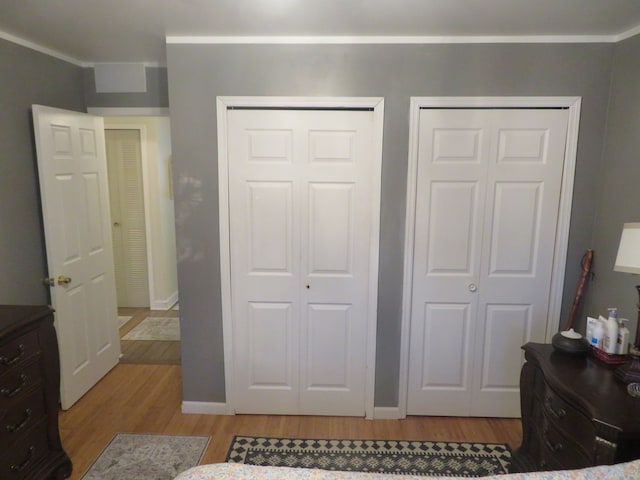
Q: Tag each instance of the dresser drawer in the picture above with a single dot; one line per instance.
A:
(568, 420)
(15, 383)
(25, 454)
(558, 449)
(18, 350)
(21, 416)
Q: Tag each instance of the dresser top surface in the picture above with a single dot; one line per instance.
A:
(13, 317)
(589, 384)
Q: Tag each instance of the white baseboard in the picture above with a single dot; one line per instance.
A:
(166, 303)
(387, 413)
(206, 408)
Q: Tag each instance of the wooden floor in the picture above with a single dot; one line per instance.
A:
(147, 399)
(147, 351)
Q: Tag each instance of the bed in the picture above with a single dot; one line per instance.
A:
(237, 471)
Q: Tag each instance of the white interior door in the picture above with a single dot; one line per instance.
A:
(488, 190)
(75, 204)
(300, 212)
(126, 198)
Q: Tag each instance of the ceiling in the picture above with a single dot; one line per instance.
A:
(91, 31)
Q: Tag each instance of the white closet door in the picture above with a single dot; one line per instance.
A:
(126, 198)
(300, 228)
(488, 191)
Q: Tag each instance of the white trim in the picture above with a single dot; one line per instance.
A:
(628, 33)
(164, 303)
(40, 48)
(207, 408)
(145, 64)
(564, 209)
(377, 104)
(128, 112)
(383, 40)
(387, 413)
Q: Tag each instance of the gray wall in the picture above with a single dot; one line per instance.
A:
(199, 73)
(27, 78)
(156, 95)
(620, 200)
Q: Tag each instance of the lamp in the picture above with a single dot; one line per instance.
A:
(628, 260)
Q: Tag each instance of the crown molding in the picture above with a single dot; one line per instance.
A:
(628, 33)
(39, 48)
(381, 40)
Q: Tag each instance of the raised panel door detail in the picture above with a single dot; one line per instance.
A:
(457, 145)
(95, 211)
(271, 146)
(100, 318)
(270, 345)
(66, 193)
(87, 142)
(328, 347)
(331, 224)
(62, 142)
(445, 343)
(522, 145)
(76, 302)
(451, 221)
(333, 147)
(506, 330)
(270, 231)
(515, 228)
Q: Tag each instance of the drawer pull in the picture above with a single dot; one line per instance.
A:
(7, 392)
(560, 413)
(10, 361)
(17, 468)
(16, 428)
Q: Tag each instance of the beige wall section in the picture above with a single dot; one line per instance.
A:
(161, 241)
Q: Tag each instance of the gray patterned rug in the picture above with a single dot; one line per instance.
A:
(380, 456)
(156, 328)
(147, 457)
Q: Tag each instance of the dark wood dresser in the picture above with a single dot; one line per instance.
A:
(575, 414)
(30, 446)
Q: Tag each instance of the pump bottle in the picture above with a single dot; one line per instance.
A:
(622, 346)
(611, 332)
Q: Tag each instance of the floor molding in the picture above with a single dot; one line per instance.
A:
(206, 408)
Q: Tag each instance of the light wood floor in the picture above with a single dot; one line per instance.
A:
(147, 351)
(147, 399)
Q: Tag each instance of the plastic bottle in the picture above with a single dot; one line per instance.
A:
(597, 339)
(611, 331)
(622, 345)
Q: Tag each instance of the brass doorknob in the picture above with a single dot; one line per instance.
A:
(64, 280)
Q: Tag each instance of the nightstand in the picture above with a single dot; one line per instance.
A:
(575, 413)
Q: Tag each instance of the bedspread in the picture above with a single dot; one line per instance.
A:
(237, 471)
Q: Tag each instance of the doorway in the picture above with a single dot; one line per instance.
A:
(149, 321)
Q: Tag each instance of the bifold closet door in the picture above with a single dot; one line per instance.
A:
(488, 190)
(300, 226)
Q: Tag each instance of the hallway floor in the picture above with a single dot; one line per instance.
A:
(147, 352)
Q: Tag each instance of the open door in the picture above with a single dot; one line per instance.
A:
(77, 225)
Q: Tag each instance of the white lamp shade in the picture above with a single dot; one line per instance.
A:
(628, 259)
